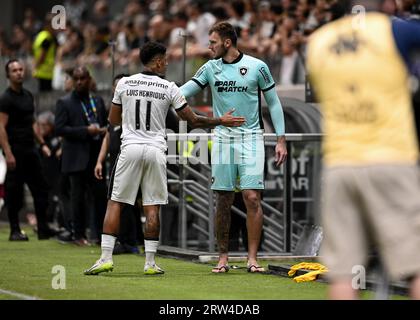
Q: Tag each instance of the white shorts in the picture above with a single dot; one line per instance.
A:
(139, 166)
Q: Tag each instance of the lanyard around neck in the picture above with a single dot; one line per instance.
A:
(92, 104)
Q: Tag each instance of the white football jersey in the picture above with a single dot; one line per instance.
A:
(145, 99)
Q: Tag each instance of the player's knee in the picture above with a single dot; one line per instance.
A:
(252, 200)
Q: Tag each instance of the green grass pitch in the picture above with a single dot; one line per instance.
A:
(26, 268)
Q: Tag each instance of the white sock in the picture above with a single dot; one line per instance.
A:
(107, 246)
(150, 248)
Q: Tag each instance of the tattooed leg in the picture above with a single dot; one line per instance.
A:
(152, 227)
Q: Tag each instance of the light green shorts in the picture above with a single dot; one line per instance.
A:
(238, 162)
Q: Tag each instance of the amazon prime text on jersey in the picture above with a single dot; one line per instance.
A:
(149, 83)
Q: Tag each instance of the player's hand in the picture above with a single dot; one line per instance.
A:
(281, 150)
(228, 120)
(98, 171)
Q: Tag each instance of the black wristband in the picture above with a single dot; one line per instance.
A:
(42, 144)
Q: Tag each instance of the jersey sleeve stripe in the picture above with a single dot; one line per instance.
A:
(202, 86)
(118, 104)
(269, 88)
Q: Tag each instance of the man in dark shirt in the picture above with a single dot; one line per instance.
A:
(18, 130)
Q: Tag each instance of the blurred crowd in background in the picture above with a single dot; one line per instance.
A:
(275, 31)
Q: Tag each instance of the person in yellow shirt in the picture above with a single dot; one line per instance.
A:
(371, 186)
(44, 49)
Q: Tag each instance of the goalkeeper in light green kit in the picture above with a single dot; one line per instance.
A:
(236, 81)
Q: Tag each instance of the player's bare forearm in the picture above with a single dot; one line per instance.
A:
(104, 149)
(223, 217)
(205, 122)
(197, 121)
(115, 115)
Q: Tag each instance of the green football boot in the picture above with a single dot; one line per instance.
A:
(99, 267)
(151, 270)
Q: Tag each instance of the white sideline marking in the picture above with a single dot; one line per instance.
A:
(19, 295)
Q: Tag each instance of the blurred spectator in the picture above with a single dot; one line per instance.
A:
(176, 39)
(4, 46)
(199, 24)
(286, 4)
(257, 23)
(66, 55)
(45, 48)
(81, 120)
(21, 43)
(76, 11)
(389, 7)
(65, 235)
(132, 9)
(179, 27)
(238, 17)
(266, 20)
(100, 16)
(158, 7)
(220, 12)
(96, 49)
(51, 167)
(31, 24)
(159, 29)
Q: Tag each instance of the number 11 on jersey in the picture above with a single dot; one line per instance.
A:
(138, 117)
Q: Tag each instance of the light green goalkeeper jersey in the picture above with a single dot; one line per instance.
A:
(239, 85)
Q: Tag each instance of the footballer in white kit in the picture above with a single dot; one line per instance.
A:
(142, 161)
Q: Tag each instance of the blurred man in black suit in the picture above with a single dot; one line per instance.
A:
(81, 121)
